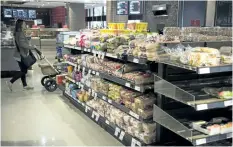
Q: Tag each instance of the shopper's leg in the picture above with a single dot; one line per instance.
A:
(18, 75)
(23, 77)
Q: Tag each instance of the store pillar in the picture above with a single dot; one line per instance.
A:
(76, 16)
(112, 16)
(210, 13)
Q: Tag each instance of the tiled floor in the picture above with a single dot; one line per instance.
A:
(38, 117)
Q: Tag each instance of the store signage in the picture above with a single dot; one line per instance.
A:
(195, 23)
(134, 7)
(122, 7)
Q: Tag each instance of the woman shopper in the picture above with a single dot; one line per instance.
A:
(21, 52)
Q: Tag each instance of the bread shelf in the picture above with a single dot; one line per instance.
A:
(190, 94)
(108, 100)
(110, 55)
(181, 128)
(122, 82)
(111, 128)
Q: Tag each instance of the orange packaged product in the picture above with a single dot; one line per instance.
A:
(70, 69)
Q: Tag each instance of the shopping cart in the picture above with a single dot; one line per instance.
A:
(50, 72)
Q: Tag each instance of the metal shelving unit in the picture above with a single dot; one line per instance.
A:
(181, 126)
(112, 78)
(129, 58)
(172, 91)
(108, 100)
(111, 128)
(191, 93)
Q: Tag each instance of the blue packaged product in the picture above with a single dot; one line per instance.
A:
(73, 93)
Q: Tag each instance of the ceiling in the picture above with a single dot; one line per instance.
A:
(51, 3)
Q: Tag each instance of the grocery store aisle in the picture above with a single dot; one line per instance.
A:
(38, 117)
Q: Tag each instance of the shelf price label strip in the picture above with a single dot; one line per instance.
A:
(220, 104)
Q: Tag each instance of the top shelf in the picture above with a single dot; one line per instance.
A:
(182, 127)
(198, 70)
(110, 55)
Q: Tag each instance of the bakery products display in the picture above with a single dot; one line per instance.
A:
(110, 69)
(143, 131)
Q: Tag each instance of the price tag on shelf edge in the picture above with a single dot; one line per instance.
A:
(137, 88)
(95, 115)
(107, 122)
(228, 103)
(134, 114)
(104, 98)
(86, 108)
(204, 70)
(202, 107)
(109, 101)
(201, 141)
(127, 84)
(135, 143)
(119, 133)
(135, 60)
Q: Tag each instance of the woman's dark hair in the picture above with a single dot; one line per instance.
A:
(18, 25)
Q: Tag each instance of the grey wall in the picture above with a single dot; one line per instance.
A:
(153, 21)
(76, 16)
(192, 10)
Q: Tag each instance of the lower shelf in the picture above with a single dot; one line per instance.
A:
(182, 128)
(111, 128)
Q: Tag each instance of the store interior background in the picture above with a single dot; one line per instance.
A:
(57, 15)
(97, 13)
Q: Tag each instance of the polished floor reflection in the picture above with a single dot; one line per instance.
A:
(38, 117)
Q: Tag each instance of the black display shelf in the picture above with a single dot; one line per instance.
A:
(108, 100)
(201, 70)
(123, 82)
(101, 54)
(167, 84)
(183, 128)
(114, 130)
(115, 104)
(191, 92)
